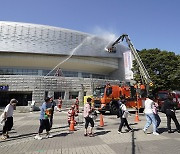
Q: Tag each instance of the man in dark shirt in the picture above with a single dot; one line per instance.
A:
(53, 104)
(170, 114)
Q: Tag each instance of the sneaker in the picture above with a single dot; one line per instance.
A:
(3, 137)
(155, 133)
(49, 136)
(178, 131)
(91, 135)
(86, 134)
(38, 137)
(144, 131)
(119, 132)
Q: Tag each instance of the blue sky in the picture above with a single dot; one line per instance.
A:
(149, 23)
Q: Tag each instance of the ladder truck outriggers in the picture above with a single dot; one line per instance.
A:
(106, 97)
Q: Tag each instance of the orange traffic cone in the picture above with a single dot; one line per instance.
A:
(137, 117)
(71, 128)
(101, 120)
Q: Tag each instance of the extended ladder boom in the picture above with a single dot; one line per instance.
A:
(142, 68)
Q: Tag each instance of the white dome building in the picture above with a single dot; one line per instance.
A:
(30, 54)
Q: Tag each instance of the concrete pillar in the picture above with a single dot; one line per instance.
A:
(66, 95)
(81, 95)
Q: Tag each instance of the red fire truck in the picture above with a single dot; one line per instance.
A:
(106, 96)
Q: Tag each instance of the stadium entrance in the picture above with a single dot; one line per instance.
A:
(22, 97)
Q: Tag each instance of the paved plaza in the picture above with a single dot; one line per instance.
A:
(106, 140)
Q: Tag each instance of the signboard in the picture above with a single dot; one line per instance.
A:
(128, 65)
(4, 87)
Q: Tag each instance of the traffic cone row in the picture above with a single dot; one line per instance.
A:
(72, 122)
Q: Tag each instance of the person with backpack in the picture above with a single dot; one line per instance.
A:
(123, 114)
(168, 109)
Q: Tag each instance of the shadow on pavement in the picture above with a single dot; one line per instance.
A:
(131, 124)
(136, 129)
(161, 130)
(133, 143)
(60, 127)
(99, 128)
(101, 133)
(19, 137)
(61, 134)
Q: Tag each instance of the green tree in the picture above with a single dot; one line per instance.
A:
(163, 68)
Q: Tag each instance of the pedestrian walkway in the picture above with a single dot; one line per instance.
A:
(106, 140)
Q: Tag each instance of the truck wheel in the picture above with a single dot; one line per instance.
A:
(114, 109)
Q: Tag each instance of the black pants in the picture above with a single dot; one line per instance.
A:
(171, 115)
(87, 121)
(123, 122)
(8, 125)
(44, 124)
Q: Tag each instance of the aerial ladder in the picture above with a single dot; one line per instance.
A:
(112, 93)
(143, 72)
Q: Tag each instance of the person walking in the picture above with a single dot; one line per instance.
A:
(45, 113)
(170, 114)
(123, 114)
(150, 117)
(157, 117)
(88, 118)
(8, 118)
(53, 104)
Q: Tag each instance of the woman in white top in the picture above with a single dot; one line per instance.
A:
(150, 117)
(8, 118)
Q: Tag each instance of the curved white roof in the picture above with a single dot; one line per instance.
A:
(34, 38)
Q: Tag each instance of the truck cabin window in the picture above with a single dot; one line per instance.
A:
(99, 92)
(109, 91)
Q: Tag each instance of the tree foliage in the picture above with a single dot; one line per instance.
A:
(163, 68)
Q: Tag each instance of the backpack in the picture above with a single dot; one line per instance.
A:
(120, 112)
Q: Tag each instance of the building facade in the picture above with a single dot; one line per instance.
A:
(31, 54)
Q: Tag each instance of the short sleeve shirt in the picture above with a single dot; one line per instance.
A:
(148, 106)
(87, 108)
(43, 109)
(9, 110)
